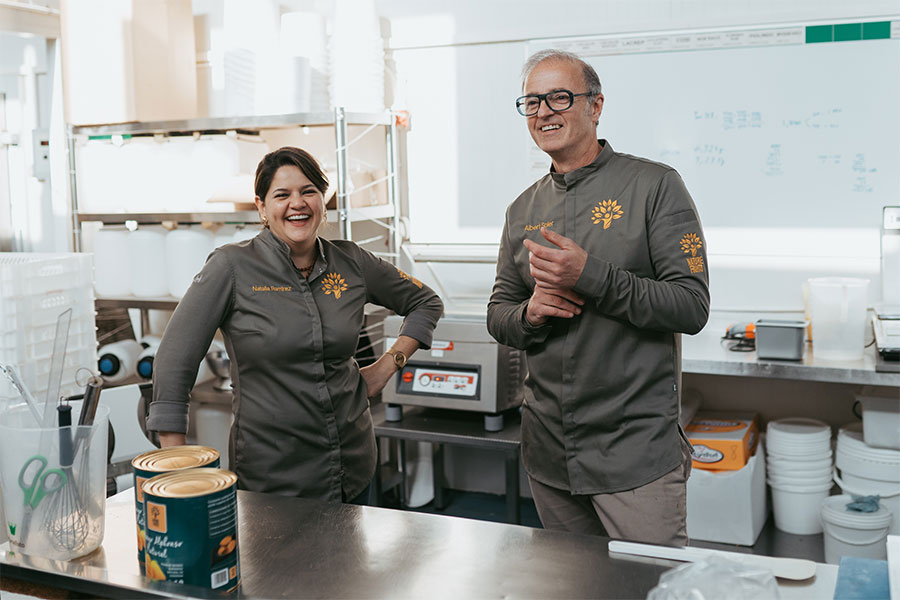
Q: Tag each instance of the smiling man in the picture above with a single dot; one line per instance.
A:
(602, 266)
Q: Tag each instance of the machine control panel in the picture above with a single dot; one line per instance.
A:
(422, 379)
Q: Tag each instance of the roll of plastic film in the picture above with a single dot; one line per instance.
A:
(118, 360)
(145, 360)
(147, 261)
(112, 273)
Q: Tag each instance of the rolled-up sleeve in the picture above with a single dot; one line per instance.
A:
(390, 287)
(186, 342)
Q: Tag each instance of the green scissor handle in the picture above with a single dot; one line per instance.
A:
(39, 485)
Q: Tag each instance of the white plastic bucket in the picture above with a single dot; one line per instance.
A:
(881, 421)
(797, 507)
(800, 466)
(838, 310)
(849, 533)
(865, 470)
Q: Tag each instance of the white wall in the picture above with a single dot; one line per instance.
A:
(455, 61)
(36, 223)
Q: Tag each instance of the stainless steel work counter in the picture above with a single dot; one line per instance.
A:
(295, 548)
(705, 353)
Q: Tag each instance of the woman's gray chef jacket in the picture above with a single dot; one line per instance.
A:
(601, 398)
(302, 424)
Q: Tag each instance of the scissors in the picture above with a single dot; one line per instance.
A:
(45, 481)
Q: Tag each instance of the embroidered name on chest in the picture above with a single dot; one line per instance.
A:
(538, 226)
(270, 288)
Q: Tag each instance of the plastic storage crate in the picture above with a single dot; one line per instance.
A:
(34, 290)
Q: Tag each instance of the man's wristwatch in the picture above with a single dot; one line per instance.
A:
(399, 358)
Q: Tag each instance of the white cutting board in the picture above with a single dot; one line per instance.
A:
(786, 568)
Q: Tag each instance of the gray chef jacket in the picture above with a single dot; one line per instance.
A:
(302, 423)
(602, 394)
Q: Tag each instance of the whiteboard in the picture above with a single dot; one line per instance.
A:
(781, 136)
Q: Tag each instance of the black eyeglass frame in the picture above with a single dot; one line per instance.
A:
(520, 101)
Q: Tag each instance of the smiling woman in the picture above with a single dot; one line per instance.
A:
(290, 192)
(291, 308)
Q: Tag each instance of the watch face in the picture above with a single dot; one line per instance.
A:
(399, 358)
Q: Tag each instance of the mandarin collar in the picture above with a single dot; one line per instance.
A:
(271, 240)
(566, 179)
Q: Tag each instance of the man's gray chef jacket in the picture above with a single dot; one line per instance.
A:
(601, 399)
(302, 423)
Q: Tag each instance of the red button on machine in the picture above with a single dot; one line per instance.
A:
(407, 376)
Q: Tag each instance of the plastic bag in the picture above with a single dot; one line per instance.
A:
(715, 578)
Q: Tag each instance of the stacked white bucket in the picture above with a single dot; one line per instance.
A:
(799, 471)
(862, 469)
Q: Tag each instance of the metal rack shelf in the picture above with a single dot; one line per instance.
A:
(240, 217)
(313, 119)
(340, 120)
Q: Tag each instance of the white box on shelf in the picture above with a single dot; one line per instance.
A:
(728, 507)
(128, 61)
(171, 174)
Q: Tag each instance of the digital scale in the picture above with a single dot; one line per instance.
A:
(466, 369)
(886, 322)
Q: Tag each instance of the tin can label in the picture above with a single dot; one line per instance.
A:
(170, 458)
(193, 540)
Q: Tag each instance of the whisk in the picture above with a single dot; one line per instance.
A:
(66, 518)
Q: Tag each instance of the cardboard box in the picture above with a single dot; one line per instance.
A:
(127, 60)
(728, 507)
(722, 441)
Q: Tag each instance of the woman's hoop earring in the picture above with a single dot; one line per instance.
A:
(265, 221)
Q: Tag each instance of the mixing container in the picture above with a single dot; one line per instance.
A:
(838, 310)
(53, 483)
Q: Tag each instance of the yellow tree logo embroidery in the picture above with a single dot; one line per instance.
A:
(415, 281)
(691, 243)
(334, 284)
(605, 212)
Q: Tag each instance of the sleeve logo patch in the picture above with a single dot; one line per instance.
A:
(410, 278)
(691, 243)
(334, 284)
(605, 212)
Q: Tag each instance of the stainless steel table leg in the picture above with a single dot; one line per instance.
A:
(440, 500)
(512, 488)
(402, 444)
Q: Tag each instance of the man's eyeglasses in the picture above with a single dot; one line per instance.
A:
(557, 101)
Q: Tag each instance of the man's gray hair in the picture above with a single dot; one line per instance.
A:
(591, 80)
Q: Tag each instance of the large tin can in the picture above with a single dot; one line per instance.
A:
(164, 460)
(192, 528)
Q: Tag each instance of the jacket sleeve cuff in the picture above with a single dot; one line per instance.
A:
(168, 416)
(594, 278)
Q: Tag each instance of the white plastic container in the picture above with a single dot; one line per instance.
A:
(147, 261)
(850, 533)
(186, 251)
(838, 309)
(881, 420)
(112, 275)
(865, 470)
(118, 361)
(797, 507)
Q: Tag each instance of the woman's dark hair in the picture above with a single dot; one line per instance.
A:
(288, 155)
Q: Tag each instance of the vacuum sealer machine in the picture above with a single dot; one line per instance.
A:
(466, 369)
